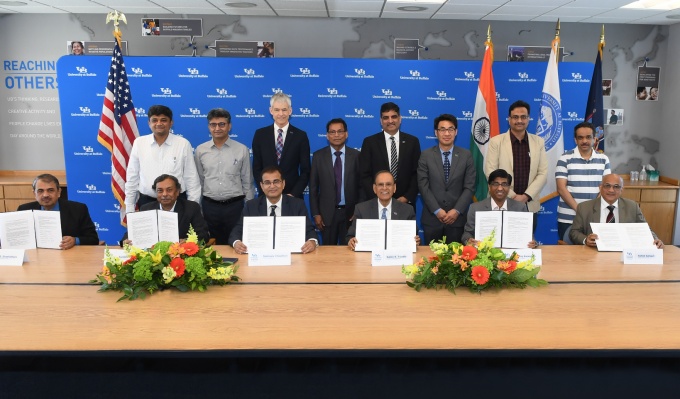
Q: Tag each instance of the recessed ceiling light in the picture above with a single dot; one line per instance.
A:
(12, 3)
(411, 8)
(241, 4)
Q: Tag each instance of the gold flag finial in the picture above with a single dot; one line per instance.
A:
(116, 17)
(557, 29)
(601, 45)
(488, 33)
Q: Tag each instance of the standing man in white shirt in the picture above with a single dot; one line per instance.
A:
(224, 169)
(156, 154)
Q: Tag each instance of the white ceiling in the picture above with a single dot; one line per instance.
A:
(588, 11)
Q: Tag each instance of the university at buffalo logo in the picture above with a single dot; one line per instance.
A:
(550, 123)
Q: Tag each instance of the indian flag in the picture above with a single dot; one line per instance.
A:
(485, 119)
(549, 125)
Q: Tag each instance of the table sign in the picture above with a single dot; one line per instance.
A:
(269, 257)
(118, 253)
(525, 254)
(13, 257)
(391, 257)
(641, 256)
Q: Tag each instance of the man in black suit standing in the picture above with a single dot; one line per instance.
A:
(77, 227)
(167, 188)
(273, 203)
(391, 150)
(282, 145)
(384, 207)
(334, 184)
(446, 179)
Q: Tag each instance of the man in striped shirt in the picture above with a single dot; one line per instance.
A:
(578, 175)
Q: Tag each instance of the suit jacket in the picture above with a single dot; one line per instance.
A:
(188, 213)
(436, 193)
(290, 206)
(369, 210)
(499, 156)
(374, 158)
(485, 205)
(75, 220)
(294, 165)
(322, 183)
(588, 212)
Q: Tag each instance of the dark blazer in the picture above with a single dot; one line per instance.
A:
(188, 213)
(369, 210)
(374, 158)
(588, 212)
(437, 193)
(294, 165)
(322, 183)
(75, 220)
(483, 206)
(290, 206)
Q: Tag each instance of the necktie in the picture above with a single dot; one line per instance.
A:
(384, 214)
(273, 212)
(337, 169)
(394, 160)
(610, 216)
(447, 166)
(279, 146)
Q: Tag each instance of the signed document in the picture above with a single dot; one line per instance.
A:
(400, 235)
(149, 227)
(258, 232)
(289, 233)
(17, 230)
(513, 229)
(370, 235)
(619, 236)
(47, 229)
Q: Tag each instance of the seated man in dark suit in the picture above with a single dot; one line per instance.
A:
(499, 187)
(384, 207)
(77, 227)
(273, 202)
(167, 189)
(609, 207)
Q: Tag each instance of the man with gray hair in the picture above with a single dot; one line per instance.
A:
(223, 167)
(284, 146)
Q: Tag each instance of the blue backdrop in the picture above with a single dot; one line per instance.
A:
(321, 89)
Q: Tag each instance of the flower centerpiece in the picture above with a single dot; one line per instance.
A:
(185, 266)
(477, 267)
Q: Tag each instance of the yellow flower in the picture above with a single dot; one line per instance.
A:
(221, 273)
(168, 274)
(157, 257)
(192, 236)
(527, 264)
(439, 248)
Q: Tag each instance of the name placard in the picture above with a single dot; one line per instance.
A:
(391, 257)
(640, 256)
(13, 257)
(270, 257)
(525, 254)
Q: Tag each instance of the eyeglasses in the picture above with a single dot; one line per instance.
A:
(381, 185)
(268, 183)
(608, 186)
(496, 184)
(444, 129)
(518, 117)
(337, 132)
(215, 125)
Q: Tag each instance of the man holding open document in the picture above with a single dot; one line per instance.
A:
(609, 208)
(499, 187)
(382, 208)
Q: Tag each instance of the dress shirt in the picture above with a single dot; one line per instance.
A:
(388, 144)
(224, 172)
(160, 206)
(604, 211)
(277, 211)
(495, 206)
(389, 209)
(148, 160)
(284, 134)
(342, 158)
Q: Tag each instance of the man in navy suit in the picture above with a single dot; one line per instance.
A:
(77, 227)
(334, 185)
(282, 145)
(446, 179)
(384, 207)
(391, 150)
(273, 202)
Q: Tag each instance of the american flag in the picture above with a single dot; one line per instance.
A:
(118, 126)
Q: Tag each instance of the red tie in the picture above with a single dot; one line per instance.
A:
(610, 216)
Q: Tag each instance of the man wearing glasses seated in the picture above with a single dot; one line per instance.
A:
(499, 187)
(610, 207)
(274, 203)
